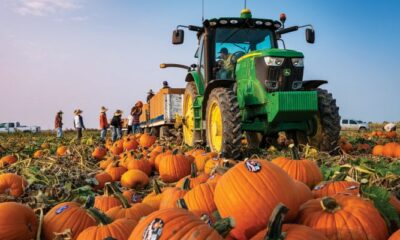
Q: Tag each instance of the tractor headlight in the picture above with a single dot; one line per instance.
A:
(273, 61)
(298, 62)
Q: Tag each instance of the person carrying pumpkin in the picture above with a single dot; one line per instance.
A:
(78, 125)
(103, 123)
(116, 126)
(136, 111)
(58, 124)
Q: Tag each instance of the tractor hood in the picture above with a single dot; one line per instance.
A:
(273, 52)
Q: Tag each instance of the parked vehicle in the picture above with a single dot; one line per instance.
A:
(159, 115)
(350, 124)
(11, 127)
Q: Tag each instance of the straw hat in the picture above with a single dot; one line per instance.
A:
(78, 111)
(103, 109)
(118, 113)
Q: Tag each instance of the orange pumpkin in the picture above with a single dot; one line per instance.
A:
(130, 143)
(12, 184)
(303, 170)
(147, 140)
(153, 154)
(377, 150)
(17, 221)
(67, 215)
(134, 178)
(291, 231)
(194, 177)
(395, 202)
(115, 171)
(397, 151)
(154, 198)
(99, 153)
(38, 154)
(391, 134)
(389, 149)
(159, 157)
(200, 200)
(331, 188)
(174, 167)
(126, 210)
(201, 159)
(140, 163)
(395, 235)
(101, 179)
(344, 217)
(248, 187)
(170, 196)
(7, 160)
(62, 151)
(132, 196)
(194, 152)
(106, 228)
(117, 147)
(175, 224)
(303, 193)
(107, 200)
(211, 164)
(105, 163)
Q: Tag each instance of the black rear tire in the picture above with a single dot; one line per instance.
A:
(231, 122)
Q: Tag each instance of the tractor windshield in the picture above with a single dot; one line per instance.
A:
(232, 43)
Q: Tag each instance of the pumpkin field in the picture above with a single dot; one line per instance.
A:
(141, 187)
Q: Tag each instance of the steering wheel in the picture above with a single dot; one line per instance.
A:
(236, 56)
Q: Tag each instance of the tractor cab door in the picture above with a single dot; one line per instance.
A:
(201, 60)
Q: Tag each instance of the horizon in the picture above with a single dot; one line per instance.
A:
(68, 54)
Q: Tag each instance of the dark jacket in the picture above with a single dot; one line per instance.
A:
(116, 122)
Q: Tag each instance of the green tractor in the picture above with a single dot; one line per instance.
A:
(244, 85)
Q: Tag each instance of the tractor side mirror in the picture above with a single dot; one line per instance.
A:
(310, 35)
(178, 36)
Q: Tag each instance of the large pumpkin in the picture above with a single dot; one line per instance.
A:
(17, 221)
(277, 231)
(12, 184)
(344, 217)
(173, 224)
(249, 192)
(106, 228)
(303, 170)
(331, 188)
(303, 193)
(64, 216)
(389, 149)
(174, 167)
(200, 200)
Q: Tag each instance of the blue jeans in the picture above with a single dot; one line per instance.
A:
(59, 132)
(116, 133)
(103, 133)
(135, 128)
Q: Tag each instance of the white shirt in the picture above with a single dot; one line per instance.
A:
(77, 122)
(130, 120)
(389, 127)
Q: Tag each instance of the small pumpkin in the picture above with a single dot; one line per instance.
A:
(135, 211)
(395, 235)
(105, 163)
(139, 162)
(174, 167)
(153, 199)
(159, 157)
(194, 177)
(12, 184)
(101, 179)
(304, 170)
(147, 140)
(200, 200)
(117, 148)
(62, 151)
(7, 160)
(134, 178)
(201, 159)
(115, 171)
(391, 134)
(106, 228)
(67, 215)
(99, 152)
(38, 154)
(130, 143)
(17, 221)
(107, 200)
(331, 188)
(342, 216)
(377, 150)
(132, 196)
(170, 196)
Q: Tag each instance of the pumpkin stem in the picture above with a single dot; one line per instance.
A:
(193, 170)
(224, 226)
(156, 187)
(186, 184)
(329, 204)
(340, 177)
(99, 217)
(107, 189)
(274, 231)
(182, 204)
(176, 151)
(295, 152)
(89, 202)
(118, 194)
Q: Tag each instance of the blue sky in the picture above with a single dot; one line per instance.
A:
(67, 54)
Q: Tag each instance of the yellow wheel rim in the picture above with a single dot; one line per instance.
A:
(188, 126)
(214, 127)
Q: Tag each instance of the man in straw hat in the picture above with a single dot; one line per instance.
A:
(103, 123)
(78, 124)
(58, 124)
(116, 126)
